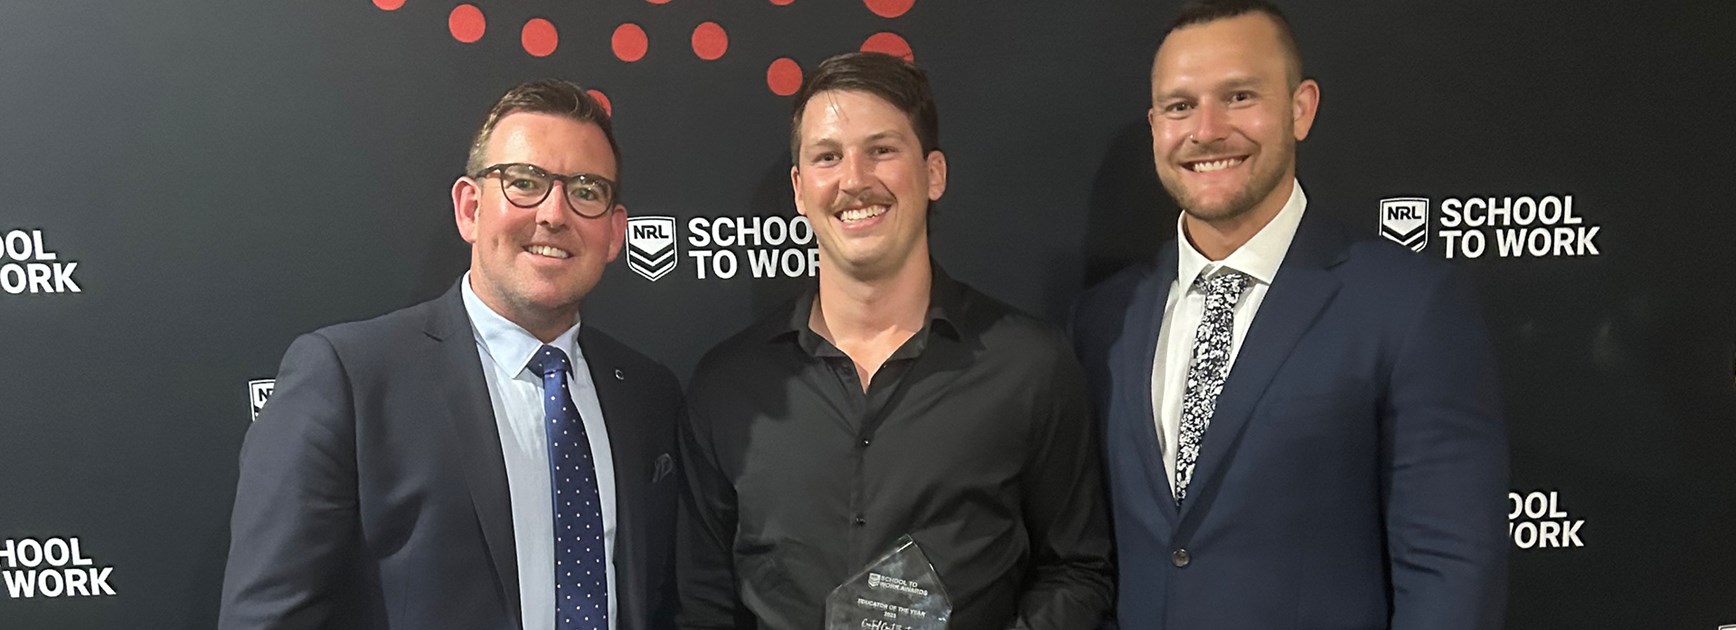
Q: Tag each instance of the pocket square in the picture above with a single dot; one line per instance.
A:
(663, 467)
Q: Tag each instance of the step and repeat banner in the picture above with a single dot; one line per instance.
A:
(185, 185)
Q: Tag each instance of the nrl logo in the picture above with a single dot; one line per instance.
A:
(651, 246)
(258, 392)
(1405, 220)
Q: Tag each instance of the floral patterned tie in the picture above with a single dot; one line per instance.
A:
(1206, 370)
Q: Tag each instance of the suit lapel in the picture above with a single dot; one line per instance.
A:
(613, 395)
(1301, 290)
(470, 414)
(1139, 358)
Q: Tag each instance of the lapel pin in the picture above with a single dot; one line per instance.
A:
(619, 376)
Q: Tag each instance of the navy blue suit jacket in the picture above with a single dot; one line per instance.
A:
(1354, 474)
(373, 493)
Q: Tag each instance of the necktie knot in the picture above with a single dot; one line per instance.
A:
(1225, 287)
(549, 361)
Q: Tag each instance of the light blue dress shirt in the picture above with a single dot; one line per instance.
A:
(517, 394)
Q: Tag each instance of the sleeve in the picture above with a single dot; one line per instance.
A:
(1446, 470)
(1066, 511)
(705, 531)
(294, 526)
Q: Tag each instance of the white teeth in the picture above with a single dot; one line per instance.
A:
(545, 250)
(1216, 165)
(860, 214)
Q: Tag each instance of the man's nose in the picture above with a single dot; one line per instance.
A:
(857, 174)
(553, 209)
(1211, 124)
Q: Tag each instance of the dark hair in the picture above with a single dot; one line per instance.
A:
(893, 79)
(1202, 11)
(545, 96)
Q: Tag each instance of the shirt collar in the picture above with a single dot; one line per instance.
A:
(509, 345)
(1260, 257)
(946, 303)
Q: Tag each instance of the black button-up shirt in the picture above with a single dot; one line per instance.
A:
(975, 438)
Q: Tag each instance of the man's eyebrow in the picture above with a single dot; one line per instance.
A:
(889, 134)
(1232, 83)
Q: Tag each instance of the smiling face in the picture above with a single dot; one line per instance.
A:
(534, 265)
(864, 183)
(1225, 119)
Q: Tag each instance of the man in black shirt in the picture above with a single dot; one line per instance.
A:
(888, 400)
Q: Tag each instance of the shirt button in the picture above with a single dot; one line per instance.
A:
(1180, 558)
(859, 520)
(866, 442)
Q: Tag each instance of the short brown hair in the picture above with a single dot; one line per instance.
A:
(1202, 11)
(893, 79)
(545, 96)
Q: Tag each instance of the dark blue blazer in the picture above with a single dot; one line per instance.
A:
(373, 493)
(1354, 474)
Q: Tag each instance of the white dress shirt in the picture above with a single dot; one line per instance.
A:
(517, 394)
(1259, 258)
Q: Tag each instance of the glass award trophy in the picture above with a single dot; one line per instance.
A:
(899, 591)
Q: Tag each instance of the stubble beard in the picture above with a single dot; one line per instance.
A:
(1244, 201)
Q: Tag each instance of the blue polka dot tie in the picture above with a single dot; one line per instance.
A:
(581, 578)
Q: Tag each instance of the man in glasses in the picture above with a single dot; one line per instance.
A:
(481, 460)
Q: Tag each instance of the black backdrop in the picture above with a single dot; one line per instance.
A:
(215, 177)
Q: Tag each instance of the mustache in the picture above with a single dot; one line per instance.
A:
(863, 199)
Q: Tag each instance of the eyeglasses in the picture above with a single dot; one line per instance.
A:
(527, 185)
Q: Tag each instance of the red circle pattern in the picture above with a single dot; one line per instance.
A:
(389, 5)
(466, 23)
(629, 42)
(889, 43)
(889, 8)
(710, 41)
(602, 99)
(784, 76)
(539, 37)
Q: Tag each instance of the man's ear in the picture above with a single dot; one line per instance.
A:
(1304, 103)
(466, 201)
(796, 189)
(617, 230)
(936, 174)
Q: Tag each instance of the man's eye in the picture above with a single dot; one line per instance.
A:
(1176, 108)
(824, 158)
(525, 184)
(1241, 96)
(587, 192)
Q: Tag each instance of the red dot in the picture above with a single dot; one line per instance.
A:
(658, 1)
(629, 42)
(709, 41)
(782, 3)
(784, 76)
(539, 37)
(889, 8)
(602, 99)
(389, 5)
(466, 23)
(889, 43)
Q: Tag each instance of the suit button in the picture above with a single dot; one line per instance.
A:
(859, 521)
(1180, 558)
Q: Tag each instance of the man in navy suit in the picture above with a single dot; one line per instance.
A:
(405, 473)
(1302, 428)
